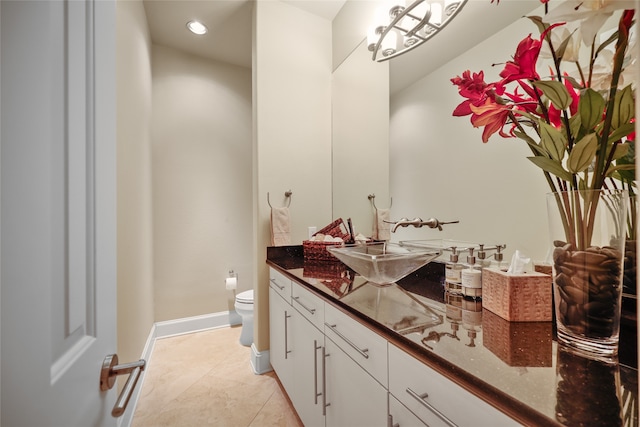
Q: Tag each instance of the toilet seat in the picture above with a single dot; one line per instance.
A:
(245, 297)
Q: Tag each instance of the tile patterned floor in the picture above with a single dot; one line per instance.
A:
(205, 379)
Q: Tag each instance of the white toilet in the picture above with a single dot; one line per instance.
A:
(244, 307)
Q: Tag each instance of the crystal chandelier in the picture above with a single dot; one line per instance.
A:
(400, 28)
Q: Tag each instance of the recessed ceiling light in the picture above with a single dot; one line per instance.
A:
(197, 27)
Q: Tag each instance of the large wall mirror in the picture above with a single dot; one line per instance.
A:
(360, 132)
(360, 120)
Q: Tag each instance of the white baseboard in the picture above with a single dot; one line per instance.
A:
(260, 361)
(193, 324)
(171, 328)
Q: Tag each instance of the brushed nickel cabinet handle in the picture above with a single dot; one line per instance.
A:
(310, 310)
(286, 334)
(276, 284)
(422, 399)
(324, 381)
(316, 347)
(363, 351)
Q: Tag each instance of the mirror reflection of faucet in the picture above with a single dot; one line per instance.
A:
(435, 337)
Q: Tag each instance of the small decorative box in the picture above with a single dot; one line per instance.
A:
(524, 297)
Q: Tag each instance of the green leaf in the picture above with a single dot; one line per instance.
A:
(532, 143)
(553, 141)
(563, 46)
(623, 108)
(583, 153)
(621, 132)
(626, 165)
(575, 123)
(607, 42)
(538, 21)
(573, 81)
(590, 108)
(556, 92)
(621, 151)
(619, 172)
(551, 166)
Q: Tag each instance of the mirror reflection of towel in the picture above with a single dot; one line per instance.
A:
(280, 233)
(381, 229)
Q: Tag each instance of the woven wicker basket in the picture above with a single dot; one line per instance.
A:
(517, 297)
(318, 250)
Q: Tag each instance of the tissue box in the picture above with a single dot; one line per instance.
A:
(524, 297)
(518, 343)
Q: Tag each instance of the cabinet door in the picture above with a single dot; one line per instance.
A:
(280, 354)
(354, 398)
(307, 396)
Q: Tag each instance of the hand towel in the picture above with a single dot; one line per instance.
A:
(280, 234)
(381, 229)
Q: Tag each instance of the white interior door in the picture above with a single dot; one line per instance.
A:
(58, 212)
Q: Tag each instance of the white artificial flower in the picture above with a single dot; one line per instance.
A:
(559, 35)
(592, 14)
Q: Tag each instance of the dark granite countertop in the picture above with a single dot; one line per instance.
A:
(516, 366)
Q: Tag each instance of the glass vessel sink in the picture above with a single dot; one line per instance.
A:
(383, 263)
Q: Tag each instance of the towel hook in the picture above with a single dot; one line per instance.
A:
(372, 198)
(287, 195)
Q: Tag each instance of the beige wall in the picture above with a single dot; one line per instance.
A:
(360, 143)
(292, 130)
(202, 169)
(135, 275)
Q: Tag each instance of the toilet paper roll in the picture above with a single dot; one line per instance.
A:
(231, 283)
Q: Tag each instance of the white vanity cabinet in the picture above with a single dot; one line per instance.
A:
(356, 372)
(280, 317)
(338, 372)
(307, 342)
(436, 400)
(354, 398)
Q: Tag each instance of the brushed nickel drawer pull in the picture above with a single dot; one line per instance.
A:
(363, 352)
(421, 398)
(276, 283)
(310, 310)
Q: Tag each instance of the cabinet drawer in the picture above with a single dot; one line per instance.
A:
(435, 399)
(280, 284)
(364, 346)
(400, 416)
(308, 304)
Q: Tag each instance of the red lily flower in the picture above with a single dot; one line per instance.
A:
(524, 61)
(530, 105)
(492, 116)
(475, 89)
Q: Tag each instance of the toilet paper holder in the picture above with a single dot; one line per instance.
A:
(231, 282)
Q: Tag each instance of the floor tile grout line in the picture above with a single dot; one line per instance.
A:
(261, 408)
(173, 357)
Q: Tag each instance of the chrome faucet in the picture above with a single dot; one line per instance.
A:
(418, 223)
